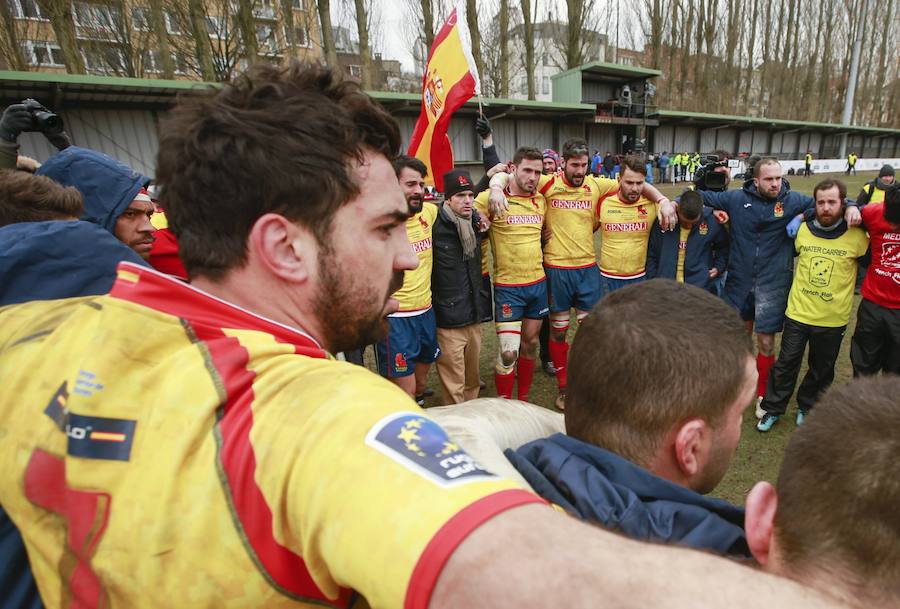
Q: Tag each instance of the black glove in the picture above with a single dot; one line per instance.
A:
(59, 140)
(483, 126)
(16, 119)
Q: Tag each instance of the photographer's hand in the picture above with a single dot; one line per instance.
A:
(59, 140)
(16, 119)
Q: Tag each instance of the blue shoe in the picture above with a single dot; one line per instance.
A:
(801, 417)
(766, 423)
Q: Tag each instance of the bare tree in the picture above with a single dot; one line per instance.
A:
(504, 47)
(59, 12)
(10, 48)
(362, 29)
(528, 30)
(324, 7)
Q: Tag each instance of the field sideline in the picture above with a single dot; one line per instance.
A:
(759, 455)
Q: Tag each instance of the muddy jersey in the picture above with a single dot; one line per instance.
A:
(516, 239)
(625, 231)
(572, 218)
(164, 448)
(415, 295)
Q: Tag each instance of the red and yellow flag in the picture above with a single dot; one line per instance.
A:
(450, 79)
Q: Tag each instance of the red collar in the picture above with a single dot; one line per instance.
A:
(149, 288)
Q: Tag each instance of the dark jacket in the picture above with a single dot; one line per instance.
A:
(609, 162)
(602, 487)
(455, 283)
(707, 248)
(9, 154)
(761, 254)
(107, 185)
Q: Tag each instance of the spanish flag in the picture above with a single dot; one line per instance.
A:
(450, 79)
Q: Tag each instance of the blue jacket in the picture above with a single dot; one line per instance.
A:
(107, 185)
(602, 487)
(663, 161)
(762, 254)
(44, 261)
(707, 248)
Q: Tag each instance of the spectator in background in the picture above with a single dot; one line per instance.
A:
(596, 161)
(550, 161)
(807, 162)
(455, 285)
(663, 164)
(696, 253)
(873, 191)
(831, 522)
(164, 255)
(653, 418)
(114, 194)
(851, 163)
(609, 163)
(20, 118)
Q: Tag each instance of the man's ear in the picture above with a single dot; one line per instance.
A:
(759, 521)
(692, 446)
(286, 250)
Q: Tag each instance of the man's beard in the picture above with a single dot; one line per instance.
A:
(351, 312)
(575, 180)
(828, 220)
(415, 204)
(523, 187)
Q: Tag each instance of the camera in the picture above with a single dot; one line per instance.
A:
(42, 119)
(707, 178)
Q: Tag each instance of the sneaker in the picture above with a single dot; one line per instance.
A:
(420, 400)
(766, 423)
(549, 368)
(801, 417)
(760, 413)
(561, 400)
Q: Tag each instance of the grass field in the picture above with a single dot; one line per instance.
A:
(759, 455)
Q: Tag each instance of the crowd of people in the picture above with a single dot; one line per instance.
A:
(175, 431)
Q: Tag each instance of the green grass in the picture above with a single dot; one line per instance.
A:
(758, 456)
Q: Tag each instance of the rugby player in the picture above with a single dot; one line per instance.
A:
(411, 346)
(176, 445)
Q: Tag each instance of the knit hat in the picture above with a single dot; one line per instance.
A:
(457, 181)
(143, 196)
(886, 170)
(550, 153)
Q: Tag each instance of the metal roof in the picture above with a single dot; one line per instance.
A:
(610, 72)
(728, 120)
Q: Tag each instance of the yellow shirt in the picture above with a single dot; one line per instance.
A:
(824, 277)
(682, 249)
(516, 238)
(572, 218)
(808, 159)
(625, 231)
(876, 195)
(415, 295)
(163, 448)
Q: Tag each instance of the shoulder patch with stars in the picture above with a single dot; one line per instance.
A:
(422, 446)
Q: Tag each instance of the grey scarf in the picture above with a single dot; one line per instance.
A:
(828, 229)
(464, 228)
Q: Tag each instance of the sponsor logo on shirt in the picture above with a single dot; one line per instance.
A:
(423, 447)
(625, 227)
(423, 222)
(704, 228)
(779, 209)
(557, 204)
(422, 246)
(524, 220)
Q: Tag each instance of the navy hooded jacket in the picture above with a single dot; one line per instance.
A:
(602, 487)
(762, 254)
(707, 248)
(107, 185)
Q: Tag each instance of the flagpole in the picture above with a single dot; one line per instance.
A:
(480, 109)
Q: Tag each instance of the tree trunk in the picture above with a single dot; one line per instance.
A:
(362, 30)
(247, 27)
(427, 26)
(158, 24)
(807, 111)
(574, 10)
(883, 67)
(474, 34)
(324, 7)
(11, 48)
(751, 45)
(504, 48)
(202, 47)
(824, 105)
(59, 12)
(686, 30)
(528, 28)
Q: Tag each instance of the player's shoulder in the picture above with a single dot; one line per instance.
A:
(546, 181)
(38, 319)
(430, 210)
(603, 186)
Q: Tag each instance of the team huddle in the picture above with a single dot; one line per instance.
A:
(175, 442)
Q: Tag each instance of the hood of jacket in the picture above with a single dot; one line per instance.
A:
(602, 487)
(108, 186)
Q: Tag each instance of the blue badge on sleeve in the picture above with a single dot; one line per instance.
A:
(421, 445)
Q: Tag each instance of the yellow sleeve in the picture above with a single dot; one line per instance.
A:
(375, 496)
(430, 211)
(481, 202)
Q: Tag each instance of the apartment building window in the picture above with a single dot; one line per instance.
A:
(152, 61)
(264, 9)
(181, 62)
(140, 18)
(545, 85)
(174, 24)
(298, 5)
(98, 17)
(215, 26)
(265, 38)
(103, 60)
(27, 9)
(301, 36)
(355, 71)
(40, 53)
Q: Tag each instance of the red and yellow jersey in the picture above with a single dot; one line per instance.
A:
(516, 238)
(625, 231)
(572, 218)
(163, 448)
(415, 295)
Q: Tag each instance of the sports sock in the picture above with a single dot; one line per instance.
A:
(763, 365)
(559, 353)
(504, 383)
(525, 372)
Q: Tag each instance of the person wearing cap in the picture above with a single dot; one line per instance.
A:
(455, 286)
(873, 192)
(551, 161)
